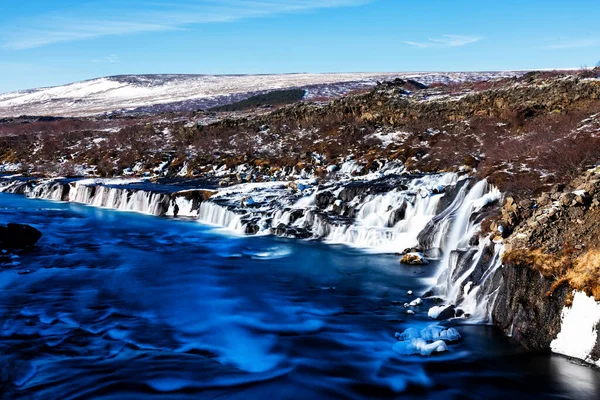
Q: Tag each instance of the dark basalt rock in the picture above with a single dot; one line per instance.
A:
(18, 236)
(525, 309)
(449, 312)
(324, 199)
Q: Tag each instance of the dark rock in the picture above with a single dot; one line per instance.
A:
(474, 241)
(397, 215)
(18, 236)
(324, 199)
(447, 313)
(524, 308)
(251, 229)
(557, 188)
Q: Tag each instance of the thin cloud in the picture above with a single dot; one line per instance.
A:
(125, 18)
(112, 59)
(575, 44)
(446, 41)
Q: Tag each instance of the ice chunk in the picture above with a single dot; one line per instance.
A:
(436, 332)
(416, 302)
(408, 334)
(419, 346)
(426, 341)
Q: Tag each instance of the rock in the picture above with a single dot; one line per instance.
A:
(576, 212)
(252, 229)
(526, 204)
(474, 241)
(566, 199)
(544, 199)
(557, 188)
(414, 259)
(411, 250)
(18, 236)
(523, 309)
(416, 302)
(442, 312)
(324, 199)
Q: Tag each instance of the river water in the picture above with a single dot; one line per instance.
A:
(116, 305)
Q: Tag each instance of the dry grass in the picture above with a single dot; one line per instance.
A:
(580, 273)
(550, 265)
(585, 274)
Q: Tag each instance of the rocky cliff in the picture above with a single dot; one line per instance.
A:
(551, 268)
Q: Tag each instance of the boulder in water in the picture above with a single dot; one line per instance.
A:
(442, 312)
(414, 259)
(18, 236)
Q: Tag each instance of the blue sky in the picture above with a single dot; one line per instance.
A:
(51, 42)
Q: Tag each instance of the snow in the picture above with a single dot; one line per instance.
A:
(133, 91)
(578, 334)
(416, 302)
(108, 181)
(10, 167)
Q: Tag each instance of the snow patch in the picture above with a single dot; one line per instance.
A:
(579, 329)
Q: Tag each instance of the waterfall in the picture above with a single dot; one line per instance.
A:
(436, 213)
(214, 214)
(391, 222)
(466, 273)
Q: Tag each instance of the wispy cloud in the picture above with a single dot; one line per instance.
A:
(575, 43)
(446, 41)
(125, 18)
(112, 59)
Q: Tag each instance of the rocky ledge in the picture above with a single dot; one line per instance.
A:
(551, 270)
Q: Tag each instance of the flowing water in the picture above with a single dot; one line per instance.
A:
(120, 305)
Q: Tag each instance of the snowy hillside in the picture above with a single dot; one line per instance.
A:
(158, 93)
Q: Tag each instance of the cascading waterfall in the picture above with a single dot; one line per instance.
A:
(466, 272)
(214, 214)
(391, 222)
(412, 215)
(96, 195)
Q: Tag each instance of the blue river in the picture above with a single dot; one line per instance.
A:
(115, 305)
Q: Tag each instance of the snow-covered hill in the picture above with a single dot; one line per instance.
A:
(157, 93)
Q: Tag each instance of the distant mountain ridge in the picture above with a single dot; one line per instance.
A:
(177, 92)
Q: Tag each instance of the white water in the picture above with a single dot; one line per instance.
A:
(374, 227)
(214, 214)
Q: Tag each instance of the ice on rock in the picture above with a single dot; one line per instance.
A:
(431, 339)
(416, 302)
(441, 312)
(437, 332)
(419, 346)
(408, 334)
